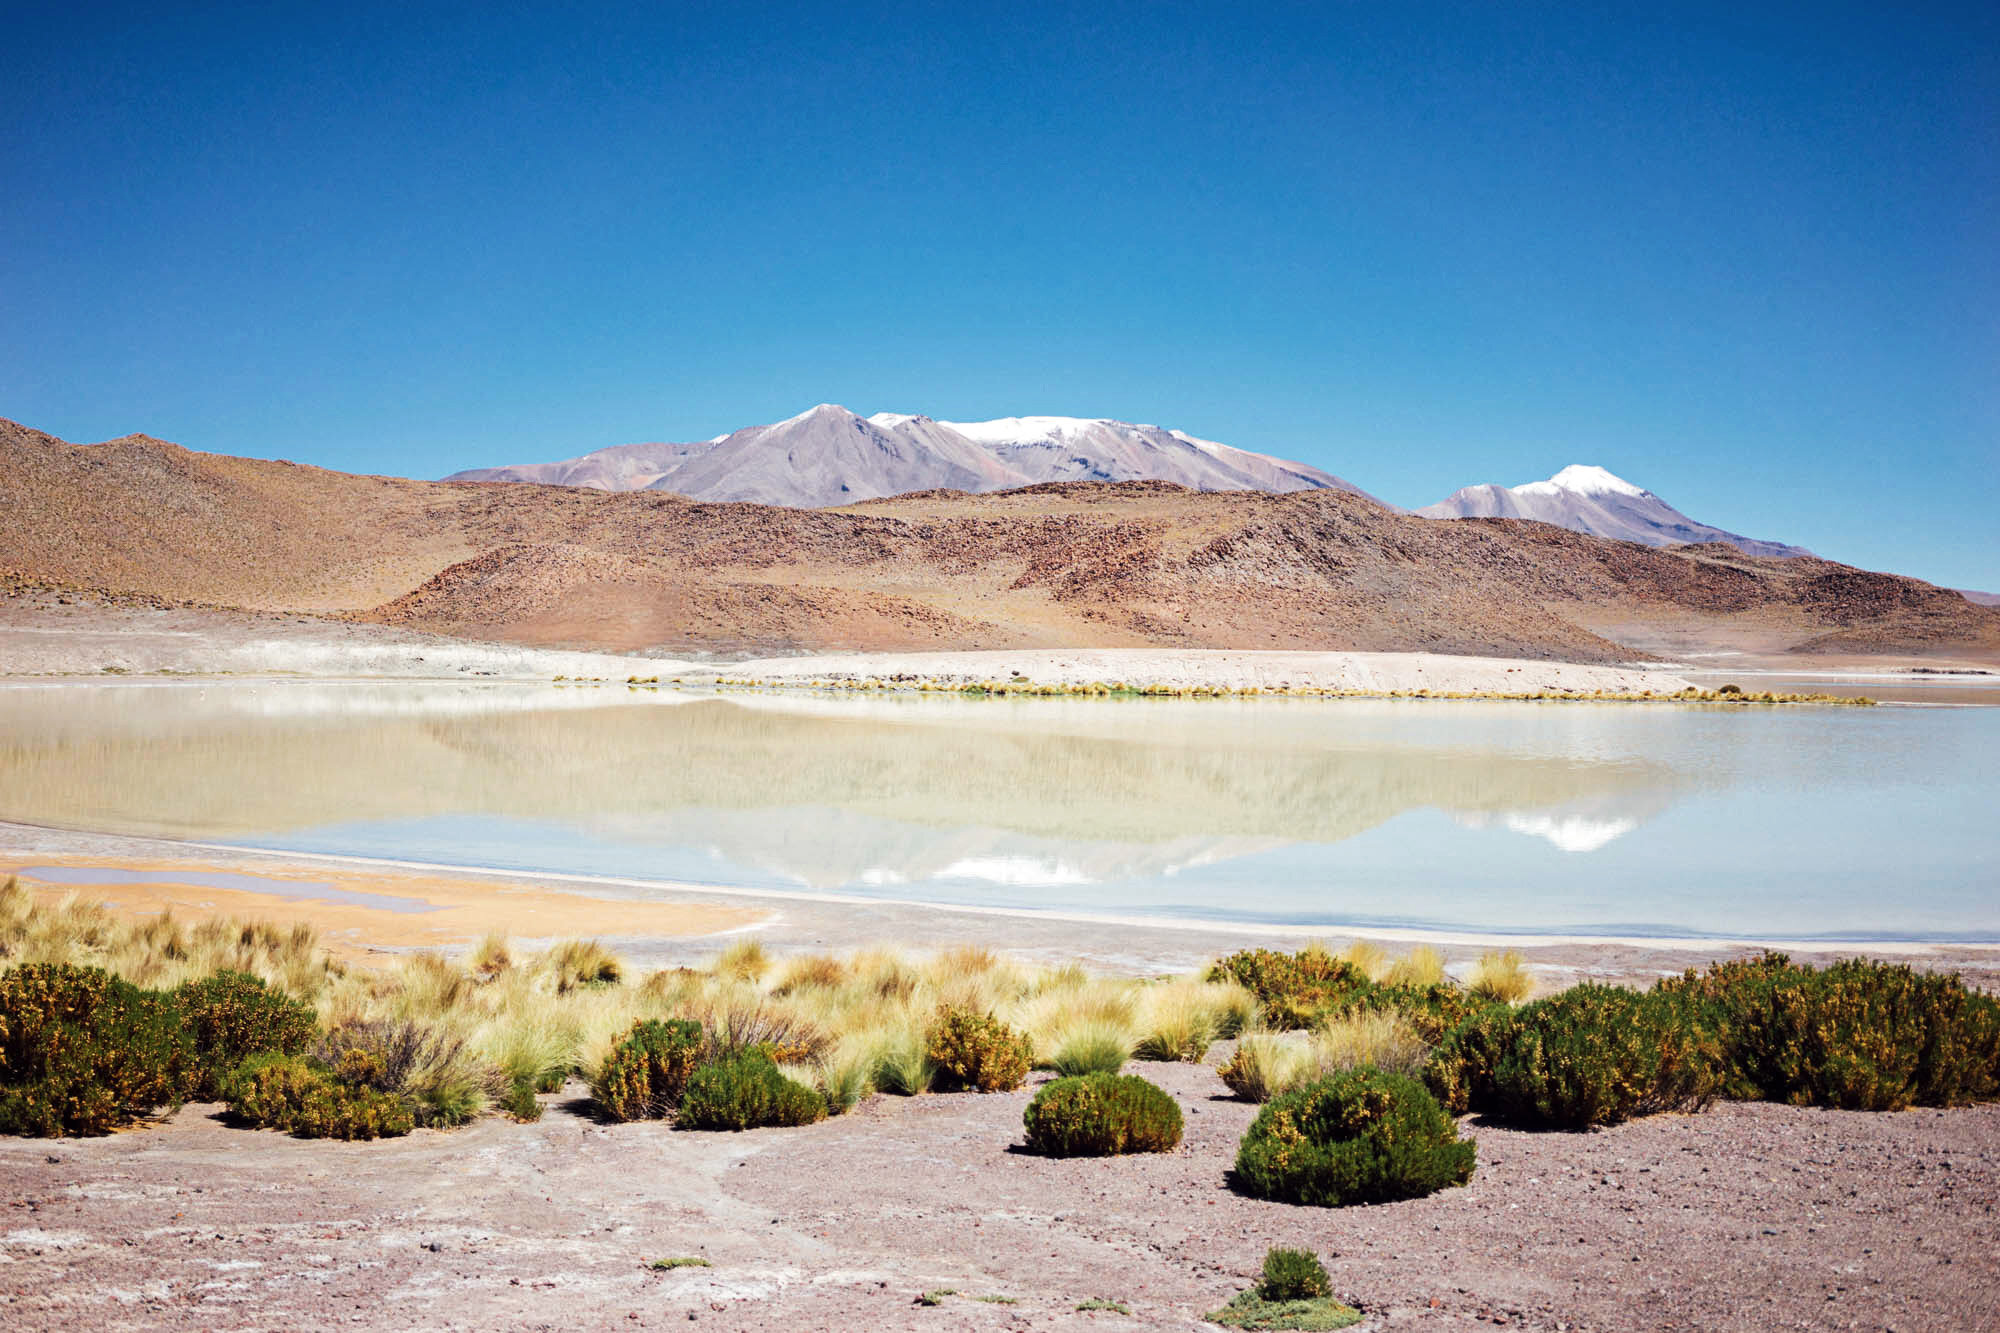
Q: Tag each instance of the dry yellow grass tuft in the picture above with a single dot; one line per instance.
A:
(1501, 976)
(1368, 958)
(1421, 966)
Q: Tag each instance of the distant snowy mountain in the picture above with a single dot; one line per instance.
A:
(1085, 449)
(830, 456)
(1592, 500)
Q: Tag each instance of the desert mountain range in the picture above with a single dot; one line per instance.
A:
(829, 456)
(1057, 564)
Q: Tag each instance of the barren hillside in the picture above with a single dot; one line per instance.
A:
(1070, 564)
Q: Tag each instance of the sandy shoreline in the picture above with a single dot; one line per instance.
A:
(1204, 668)
(363, 910)
(659, 923)
(79, 641)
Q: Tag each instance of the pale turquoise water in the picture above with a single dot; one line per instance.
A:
(1790, 823)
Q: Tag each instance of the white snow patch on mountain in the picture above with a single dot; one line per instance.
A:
(1593, 500)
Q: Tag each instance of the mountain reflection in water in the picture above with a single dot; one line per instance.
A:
(1512, 816)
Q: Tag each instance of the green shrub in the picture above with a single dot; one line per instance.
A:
(978, 1051)
(1294, 988)
(645, 1074)
(232, 1016)
(1102, 1115)
(745, 1091)
(82, 1052)
(1359, 1137)
(517, 1099)
(305, 1099)
(1858, 1035)
(1600, 1055)
(1293, 1275)
(1459, 1072)
(1432, 1010)
(1295, 1293)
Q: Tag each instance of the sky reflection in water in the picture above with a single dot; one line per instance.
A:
(1800, 823)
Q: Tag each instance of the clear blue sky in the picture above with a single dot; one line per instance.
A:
(1749, 257)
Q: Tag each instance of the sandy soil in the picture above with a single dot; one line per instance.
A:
(46, 638)
(362, 911)
(1746, 1217)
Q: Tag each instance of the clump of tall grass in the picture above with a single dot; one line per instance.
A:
(490, 957)
(816, 970)
(1268, 1065)
(433, 1070)
(1421, 966)
(901, 1062)
(745, 960)
(1092, 1047)
(1180, 1019)
(1369, 958)
(1382, 1038)
(1500, 977)
(575, 963)
(845, 1075)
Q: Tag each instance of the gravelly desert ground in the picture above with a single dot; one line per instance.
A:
(1747, 1217)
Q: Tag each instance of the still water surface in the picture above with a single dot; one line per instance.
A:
(1793, 823)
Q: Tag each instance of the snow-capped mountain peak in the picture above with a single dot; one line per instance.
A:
(1584, 498)
(1582, 479)
(827, 455)
(1026, 430)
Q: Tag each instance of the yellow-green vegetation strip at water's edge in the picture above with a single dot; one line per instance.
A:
(1728, 695)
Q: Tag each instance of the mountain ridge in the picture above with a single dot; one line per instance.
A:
(1590, 499)
(829, 455)
(1058, 564)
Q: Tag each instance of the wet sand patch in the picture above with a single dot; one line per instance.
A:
(359, 912)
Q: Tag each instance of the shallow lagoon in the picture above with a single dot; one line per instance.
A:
(1795, 823)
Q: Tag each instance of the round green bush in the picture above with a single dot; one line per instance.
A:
(82, 1051)
(232, 1016)
(1294, 989)
(1102, 1115)
(1294, 1275)
(1363, 1136)
(305, 1099)
(747, 1090)
(977, 1051)
(1859, 1035)
(646, 1075)
(1601, 1055)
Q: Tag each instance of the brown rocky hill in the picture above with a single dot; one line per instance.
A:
(1066, 564)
